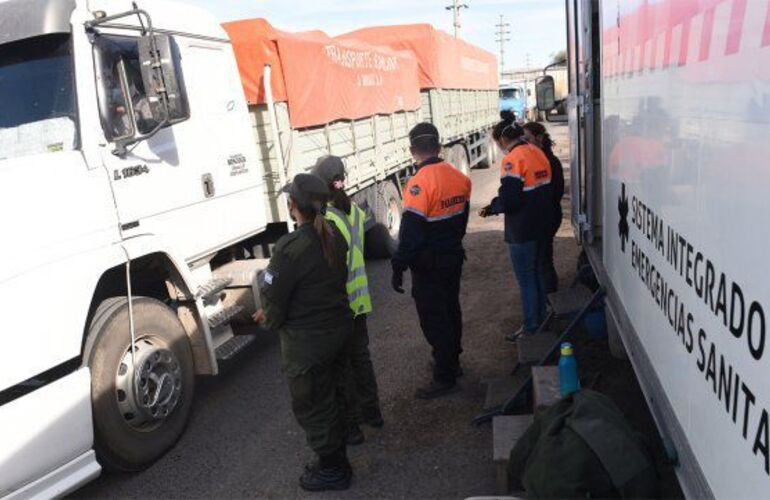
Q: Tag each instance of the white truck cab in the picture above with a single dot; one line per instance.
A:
(128, 164)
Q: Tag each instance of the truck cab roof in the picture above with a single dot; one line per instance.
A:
(22, 19)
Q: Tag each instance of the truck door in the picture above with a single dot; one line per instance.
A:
(196, 173)
(149, 181)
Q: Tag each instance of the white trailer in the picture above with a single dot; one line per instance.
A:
(669, 123)
(137, 180)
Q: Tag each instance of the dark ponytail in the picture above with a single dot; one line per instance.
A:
(326, 235)
(314, 213)
(538, 130)
(507, 128)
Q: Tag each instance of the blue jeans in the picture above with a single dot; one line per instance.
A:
(528, 269)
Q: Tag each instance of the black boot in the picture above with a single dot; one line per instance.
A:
(436, 389)
(373, 417)
(354, 435)
(331, 472)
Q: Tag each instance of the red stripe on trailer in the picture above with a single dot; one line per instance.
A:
(684, 43)
(667, 52)
(707, 31)
(735, 33)
(766, 31)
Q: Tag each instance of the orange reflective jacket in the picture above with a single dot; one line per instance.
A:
(436, 202)
(438, 191)
(529, 164)
(526, 194)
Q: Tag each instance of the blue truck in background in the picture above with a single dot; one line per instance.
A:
(513, 97)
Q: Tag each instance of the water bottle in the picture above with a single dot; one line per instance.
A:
(568, 372)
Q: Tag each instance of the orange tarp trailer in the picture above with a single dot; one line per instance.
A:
(321, 78)
(445, 62)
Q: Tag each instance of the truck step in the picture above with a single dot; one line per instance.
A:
(499, 390)
(209, 292)
(234, 346)
(506, 431)
(532, 348)
(224, 316)
(545, 386)
(570, 300)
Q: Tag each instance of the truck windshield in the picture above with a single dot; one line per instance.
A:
(37, 97)
(510, 93)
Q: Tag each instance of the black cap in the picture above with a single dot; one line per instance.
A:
(308, 191)
(329, 168)
(424, 130)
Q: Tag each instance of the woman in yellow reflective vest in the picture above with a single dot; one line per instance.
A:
(363, 403)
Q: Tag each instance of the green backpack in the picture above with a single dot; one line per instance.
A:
(582, 447)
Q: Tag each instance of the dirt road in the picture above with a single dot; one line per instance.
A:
(242, 440)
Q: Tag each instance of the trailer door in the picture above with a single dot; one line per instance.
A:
(582, 111)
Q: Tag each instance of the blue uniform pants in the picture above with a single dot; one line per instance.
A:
(527, 260)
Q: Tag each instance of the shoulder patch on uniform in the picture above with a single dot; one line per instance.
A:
(415, 190)
(269, 277)
(508, 166)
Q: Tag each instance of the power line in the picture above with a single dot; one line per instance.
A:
(503, 30)
(455, 8)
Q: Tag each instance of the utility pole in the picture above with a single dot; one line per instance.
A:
(503, 30)
(455, 8)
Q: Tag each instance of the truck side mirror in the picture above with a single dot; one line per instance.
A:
(546, 94)
(162, 78)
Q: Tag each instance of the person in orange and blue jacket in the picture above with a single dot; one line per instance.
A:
(525, 197)
(436, 211)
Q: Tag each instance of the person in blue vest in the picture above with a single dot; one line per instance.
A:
(361, 394)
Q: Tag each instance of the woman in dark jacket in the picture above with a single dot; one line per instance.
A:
(535, 133)
(525, 198)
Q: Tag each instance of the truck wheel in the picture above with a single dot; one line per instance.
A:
(493, 152)
(382, 239)
(490, 154)
(140, 408)
(457, 156)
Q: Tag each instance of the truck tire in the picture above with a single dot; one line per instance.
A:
(136, 423)
(457, 156)
(382, 239)
(492, 157)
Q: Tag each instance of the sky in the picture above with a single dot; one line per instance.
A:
(537, 26)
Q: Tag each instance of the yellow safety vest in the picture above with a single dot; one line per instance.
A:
(352, 228)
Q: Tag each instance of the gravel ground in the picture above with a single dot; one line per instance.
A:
(242, 440)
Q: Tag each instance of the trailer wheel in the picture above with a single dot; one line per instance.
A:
(140, 408)
(382, 239)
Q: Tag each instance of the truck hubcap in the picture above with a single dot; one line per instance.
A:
(394, 218)
(148, 389)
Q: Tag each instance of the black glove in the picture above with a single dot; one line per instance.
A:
(397, 281)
